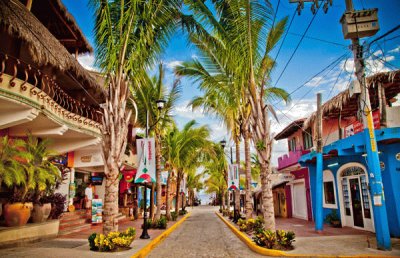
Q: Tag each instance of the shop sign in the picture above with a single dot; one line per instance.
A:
(357, 127)
(286, 177)
(86, 159)
(233, 177)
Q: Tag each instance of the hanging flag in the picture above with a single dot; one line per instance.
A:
(233, 177)
(183, 186)
(146, 172)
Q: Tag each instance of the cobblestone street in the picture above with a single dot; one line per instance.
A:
(203, 234)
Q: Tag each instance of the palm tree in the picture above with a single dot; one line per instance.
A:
(193, 184)
(185, 150)
(145, 96)
(240, 37)
(128, 34)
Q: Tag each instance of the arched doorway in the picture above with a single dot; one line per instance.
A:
(355, 200)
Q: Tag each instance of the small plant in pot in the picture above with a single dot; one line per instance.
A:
(13, 174)
(43, 176)
(333, 219)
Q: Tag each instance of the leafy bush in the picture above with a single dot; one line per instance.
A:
(161, 223)
(149, 223)
(57, 201)
(182, 212)
(265, 238)
(280, 239)
(105, 243)
(174, 216)
(285, 238)
(259, 224)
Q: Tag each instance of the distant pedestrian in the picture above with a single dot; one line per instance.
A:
(88, 196)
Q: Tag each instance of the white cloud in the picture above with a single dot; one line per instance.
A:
(184, 111)
(87, 61)
(172, 64)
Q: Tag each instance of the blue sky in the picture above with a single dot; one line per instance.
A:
(311, 57)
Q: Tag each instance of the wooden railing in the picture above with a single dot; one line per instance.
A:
(42, 85)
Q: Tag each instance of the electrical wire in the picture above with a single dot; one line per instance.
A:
(298, 45)
(318, 39)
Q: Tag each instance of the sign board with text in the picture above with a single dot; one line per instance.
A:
(146, 172)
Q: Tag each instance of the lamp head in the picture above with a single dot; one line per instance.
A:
(223, 143)
(160, 103)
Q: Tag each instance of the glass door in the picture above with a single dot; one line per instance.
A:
(356, 202)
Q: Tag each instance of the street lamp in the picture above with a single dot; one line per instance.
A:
(145, 235)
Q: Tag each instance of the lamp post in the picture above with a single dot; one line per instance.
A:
(183, 195)
(145, 235)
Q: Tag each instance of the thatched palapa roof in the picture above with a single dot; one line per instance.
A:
(61, 24)
(344, 105)
(43, 47)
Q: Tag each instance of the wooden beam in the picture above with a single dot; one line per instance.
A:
(29, 4)
(62, 20)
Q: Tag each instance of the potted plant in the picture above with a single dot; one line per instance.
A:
(333, 219)
(13, 174)
(42, 176)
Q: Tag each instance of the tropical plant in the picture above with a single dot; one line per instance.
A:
(265, 238)
(186, 149)
(129, 34)
(58, 202)
(193, 183)
(145, 95)
(285, 239)
(42, 173)
(237, 39)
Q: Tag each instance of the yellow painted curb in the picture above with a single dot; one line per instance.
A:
(150, 246)
(276, 253)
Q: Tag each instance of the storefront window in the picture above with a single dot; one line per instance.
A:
(329, 190)
(329, 193)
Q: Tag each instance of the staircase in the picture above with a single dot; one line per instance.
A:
(74, 222)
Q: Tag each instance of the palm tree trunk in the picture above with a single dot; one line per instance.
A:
(158, 175)
(178, 185)
(223, 200)
(111, 201)
(249, 206)
(167, 200)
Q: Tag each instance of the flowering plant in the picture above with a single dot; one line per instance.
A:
(106, 243)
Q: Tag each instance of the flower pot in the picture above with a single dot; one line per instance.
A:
(40, 213)
(17, 214)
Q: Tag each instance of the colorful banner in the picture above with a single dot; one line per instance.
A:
(146, 172)
(357, 127)
(233, 177)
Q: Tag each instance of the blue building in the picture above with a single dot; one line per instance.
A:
(346, 178)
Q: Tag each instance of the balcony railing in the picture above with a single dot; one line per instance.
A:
(290, 159)
(43, 86)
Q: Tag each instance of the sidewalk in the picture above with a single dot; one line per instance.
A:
(332, 241)
(76, 244)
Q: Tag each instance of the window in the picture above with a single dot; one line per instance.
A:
(329, 191)
(292, 144)
(307, 139)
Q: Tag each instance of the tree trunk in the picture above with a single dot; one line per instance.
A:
(223, 200)
(249, 205)
(111, 202)
(158, 175)
(167, 199)
(178, 185)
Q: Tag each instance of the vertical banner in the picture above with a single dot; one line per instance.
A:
(146, 172)
(97, 211)
(233, 177)
(183, 186)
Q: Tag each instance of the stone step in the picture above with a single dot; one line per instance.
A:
(67, 231)
(72, 223)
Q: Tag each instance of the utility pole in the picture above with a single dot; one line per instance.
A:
(351, 21)
(374, 170)
(319, 220)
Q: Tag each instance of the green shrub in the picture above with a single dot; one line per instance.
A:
(259, 224)
(182, 212)
(285, 238)
(265, 238)
(149, 223)
(174, 216)
(92, 245)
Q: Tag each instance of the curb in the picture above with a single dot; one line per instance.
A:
(150, 246)
(277, 253)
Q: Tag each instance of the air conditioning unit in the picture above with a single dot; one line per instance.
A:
(354, 88)
(360, 24)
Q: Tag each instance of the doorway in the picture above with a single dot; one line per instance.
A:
(356, 202)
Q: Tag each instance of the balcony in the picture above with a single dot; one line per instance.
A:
(22, 83)
(290, 159)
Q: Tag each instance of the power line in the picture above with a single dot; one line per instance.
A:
(318, 39)
(384, 35)
(298, 45)
(315, 75)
